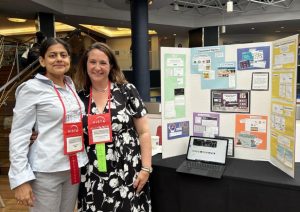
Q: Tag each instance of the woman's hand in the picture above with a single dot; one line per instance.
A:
(141, 180)
(24, 195)
(33, 137)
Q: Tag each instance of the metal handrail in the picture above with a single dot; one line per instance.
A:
(18, 75)
(32, 65)
(3, 99)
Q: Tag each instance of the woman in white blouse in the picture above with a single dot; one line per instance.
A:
(45, 175)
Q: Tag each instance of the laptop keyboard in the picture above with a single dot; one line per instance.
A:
(203, 166)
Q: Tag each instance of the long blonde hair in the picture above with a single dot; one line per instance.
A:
(81, 77)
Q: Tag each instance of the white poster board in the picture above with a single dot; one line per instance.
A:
(198, 99)
(186, 86)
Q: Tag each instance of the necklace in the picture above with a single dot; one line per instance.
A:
(101, 90)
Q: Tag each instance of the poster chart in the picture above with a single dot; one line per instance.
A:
(283, 104)
(174, 75)
(285, 53)
(253, 58)
(230, 101)
(260, 81)
(178, 130)
(251, 131)
(175, 93)
(206, 124)
(210, 64)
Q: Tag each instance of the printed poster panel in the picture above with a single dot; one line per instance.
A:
(253, 58)
(260, 81)
(251, 131)
(210, 63)
(174, 89)
(283, 148)
(283, 84)
(178, 130)
(230, 101)
(223, 77)
(206, 124)
(283, 118)
(205, 59)
(285, 53)
(283, 104)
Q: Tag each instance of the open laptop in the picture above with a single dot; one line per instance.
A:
(205, 157)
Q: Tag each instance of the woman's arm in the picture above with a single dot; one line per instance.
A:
(142, 127)
(20, 172)
(143, 130)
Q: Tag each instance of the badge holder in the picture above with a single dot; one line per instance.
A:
(73, 140)
(100, 132)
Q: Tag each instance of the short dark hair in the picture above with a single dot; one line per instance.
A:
(52, 41)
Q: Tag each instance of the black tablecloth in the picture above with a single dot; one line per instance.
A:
(246, 186)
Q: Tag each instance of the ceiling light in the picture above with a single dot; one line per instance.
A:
(253, 28)
(113, 31)
(282, 27)
(174, 34)
(150, 2)
(229, 6)
(19, 20)
(277, 31)
(123, 29)
(176, 6)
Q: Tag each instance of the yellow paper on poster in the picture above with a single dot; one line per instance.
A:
(283, 117)
(283, 148)
(283, 104)
(283, 84)
(285, 55)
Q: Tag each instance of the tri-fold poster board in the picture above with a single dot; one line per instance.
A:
(241, 91)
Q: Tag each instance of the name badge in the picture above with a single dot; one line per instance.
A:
(99, 128)
(73, 138)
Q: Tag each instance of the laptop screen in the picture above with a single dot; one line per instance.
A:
(207, 149)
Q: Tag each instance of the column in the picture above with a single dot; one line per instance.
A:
(45, 24)
(140, 47)
(205, 36)
(211, 36)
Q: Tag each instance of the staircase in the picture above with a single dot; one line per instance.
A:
(6, 112)
(5, 122)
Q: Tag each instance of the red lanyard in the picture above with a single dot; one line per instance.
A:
(63, 105)
(75, 174)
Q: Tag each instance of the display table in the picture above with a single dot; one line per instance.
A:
(246, 185)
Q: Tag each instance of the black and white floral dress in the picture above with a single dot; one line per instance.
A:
(113, 190)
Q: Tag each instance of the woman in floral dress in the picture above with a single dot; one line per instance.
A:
(119, 149)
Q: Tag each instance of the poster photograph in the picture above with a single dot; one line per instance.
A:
(253, 58)
(178, 130)
(260, 81)
(206, 124)
(230, 101)
(251, 131)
